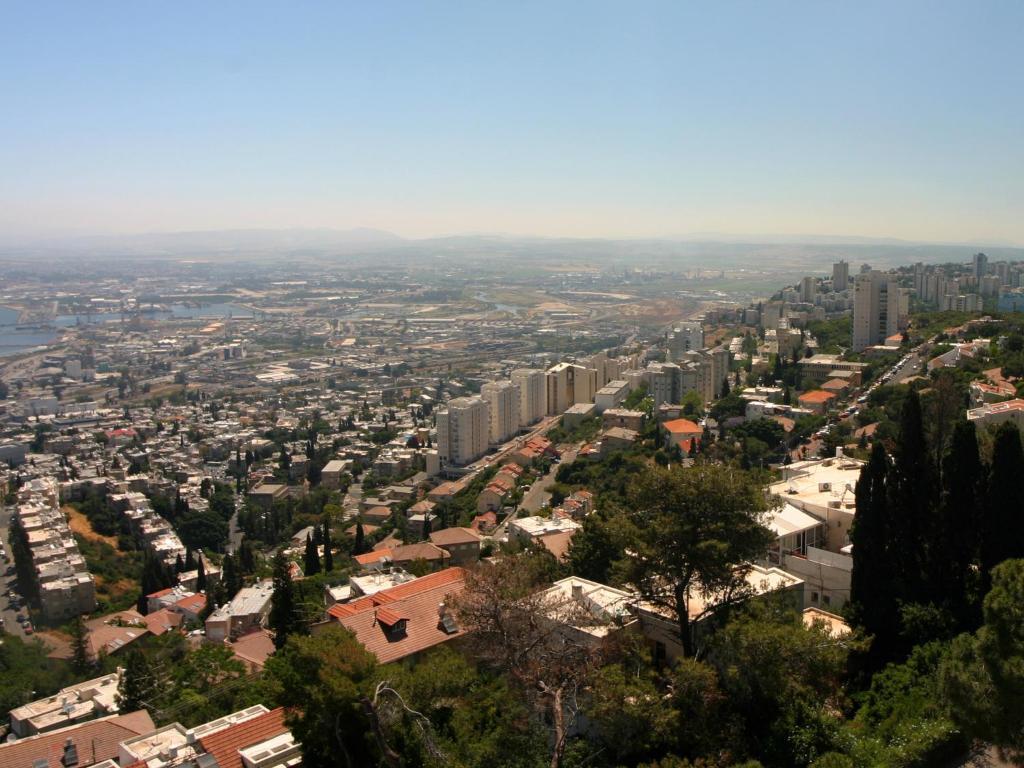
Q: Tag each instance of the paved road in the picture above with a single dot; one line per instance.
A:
(9, 614)
(536, 497)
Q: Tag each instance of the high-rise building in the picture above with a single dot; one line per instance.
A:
(462, 430)
(808, 290)
(683, 338)
(980, 263)
(503, 404)
(568, 384)
(840, 276)
(533, 402)
(879, 309)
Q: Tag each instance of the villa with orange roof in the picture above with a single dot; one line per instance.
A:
(402, 621)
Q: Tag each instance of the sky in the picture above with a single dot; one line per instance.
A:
(592, 119)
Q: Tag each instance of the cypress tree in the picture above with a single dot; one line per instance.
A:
(190, 560)
(284, 617)
(134, 686)
(1003, 528)
(80, 659)
(873, 604)
(955, 543)
(328, 555)
(359, 547)
(312, 558)
(201, 576)
(911, 499)
(230, 576)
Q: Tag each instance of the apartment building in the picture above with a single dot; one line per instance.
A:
(463, 429)
(568, 384)
(533, 402)
(880, 309)
(504, 401)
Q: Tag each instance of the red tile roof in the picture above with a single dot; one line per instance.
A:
(416, 601)
(449, 536)
(96, 740)
(682, 426)
(390, 616)
(817, 396)
(224, 745)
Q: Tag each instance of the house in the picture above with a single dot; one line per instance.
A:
(74, 704)
(98, 739)
(376, 515)
(824, 489)
(403, 556)
(497, 492)
(983, 393)
(403, 621)
(660, 625)
(817, 401)
(588, 611)
(332, 473)
(616, 439)
(264, 495)
(253, 649)
(552, 533)
(247, 611)
(623, 417)
(682, 434)
(838, 387)
(997, 413)
(111, 633)
(463, 544)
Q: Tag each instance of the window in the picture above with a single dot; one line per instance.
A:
(827, 600)
(814, 597)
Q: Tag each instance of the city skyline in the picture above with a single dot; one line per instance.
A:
(554, 121)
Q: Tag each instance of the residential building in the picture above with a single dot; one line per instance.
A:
(247, 610)
(818, 369)
(504, 400)
(683, 338)
(463, 544)
(533, 404)
(74, 704)
(568, 384)
(405, 620)
(840, 276)
(463, 428)
(996, 413)
(611, 395)
(880, 308)
(95, 742)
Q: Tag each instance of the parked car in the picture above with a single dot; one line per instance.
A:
(28, 629)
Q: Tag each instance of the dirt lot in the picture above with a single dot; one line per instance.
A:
(80, 524)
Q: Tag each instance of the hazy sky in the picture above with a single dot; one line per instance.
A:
(893, 118)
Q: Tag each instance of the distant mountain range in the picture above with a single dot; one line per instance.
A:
(796, 252)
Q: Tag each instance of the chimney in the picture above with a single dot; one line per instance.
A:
(839, 451)
(442, 609)
(577, 592)
(70, 757)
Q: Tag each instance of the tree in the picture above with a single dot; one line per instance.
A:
(956, 538)
(328, 554)
(359, 546)
(872, 583)
(514, 627)
(1003, 528)
(284, 616)
(688, 530)
(324, 680)
(230, 576)
(135, 686)
(81, 659)
(201, 576)
(594, 549)
(913, 495)
(311, 561)
(983, 676)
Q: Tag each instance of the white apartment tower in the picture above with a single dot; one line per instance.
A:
(533, 402)
(879, 309)
(568, 384)
(503, 404)
(683, 338)
(808, 290)
(462, 430)
(840, 276)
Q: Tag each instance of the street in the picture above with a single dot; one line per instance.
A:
(9, 614)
